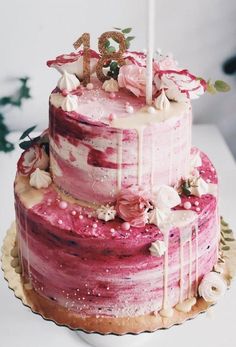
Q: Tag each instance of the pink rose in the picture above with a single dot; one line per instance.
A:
(179, 85)
(132, 207)
(31, 159)
(133, 78)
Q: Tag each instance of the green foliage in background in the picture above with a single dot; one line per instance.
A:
(14, 100)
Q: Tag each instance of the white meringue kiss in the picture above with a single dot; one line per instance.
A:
(162, 102)
(158, 248)
(110, 86)
(40, 179)
(106, 213)
(199, 187)
(158, 216)
(70, 103)
(68, 82)
(212, 287)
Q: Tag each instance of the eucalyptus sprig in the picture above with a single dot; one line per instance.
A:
(14, 100)
(217, 86)
(26, 134)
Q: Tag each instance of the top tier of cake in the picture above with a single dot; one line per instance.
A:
(106, 144)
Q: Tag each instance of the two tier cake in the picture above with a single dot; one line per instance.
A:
(117, 219)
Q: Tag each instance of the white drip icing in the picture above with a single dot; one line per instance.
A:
(166, 309)
(190, 267)
(140, 154)
(181, 269)
(152, 161)
(196, 258)
(171, 156)
(119, 161)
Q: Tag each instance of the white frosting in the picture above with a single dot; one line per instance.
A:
(166, 197)
(40, 179)
(106, 213)
(157, 248)
(111, 86)
(158, 216)
(143, 117)
(68, 82)
(70, 103)
(162, 102)
(212, 287)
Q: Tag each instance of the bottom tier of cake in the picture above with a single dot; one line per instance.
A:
(95, 268)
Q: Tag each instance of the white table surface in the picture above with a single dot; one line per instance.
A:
(21, 328)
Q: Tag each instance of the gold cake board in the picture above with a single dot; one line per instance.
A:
(49, 310)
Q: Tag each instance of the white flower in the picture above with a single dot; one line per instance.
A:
(179, 85)
(68, 82)
(110, 86)
(40, 179)
(162, 102)
(106, 213)
(158, 248)
(212, 287)
(166, 197)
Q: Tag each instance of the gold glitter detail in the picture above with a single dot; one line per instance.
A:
(107, 56)
(85, 41)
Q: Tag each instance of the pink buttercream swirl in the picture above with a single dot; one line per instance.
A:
(132, 206)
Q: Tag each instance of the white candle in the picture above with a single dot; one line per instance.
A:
(150, 44)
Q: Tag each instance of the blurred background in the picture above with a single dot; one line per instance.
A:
(201, 35)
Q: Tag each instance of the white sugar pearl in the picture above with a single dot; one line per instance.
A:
(80, 216)
(151, 110)
(129, 109)
(63, 205)
(95, 225)
(89, 86)
(198, 209)
(59, 221)
(187, 205)
(73, 213)
(196, 203)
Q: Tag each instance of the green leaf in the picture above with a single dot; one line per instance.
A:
(25, 144)
(221, 86)
(113, 65)
(107, 43)
(117, 28)
(111, 49)
(27, 132)
(226, 248)
(130, 38)
(210, 88)
(126, 31)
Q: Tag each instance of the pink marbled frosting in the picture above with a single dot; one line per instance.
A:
(89, 156)
(94, 267)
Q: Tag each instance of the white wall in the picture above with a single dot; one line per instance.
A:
(200, 33)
